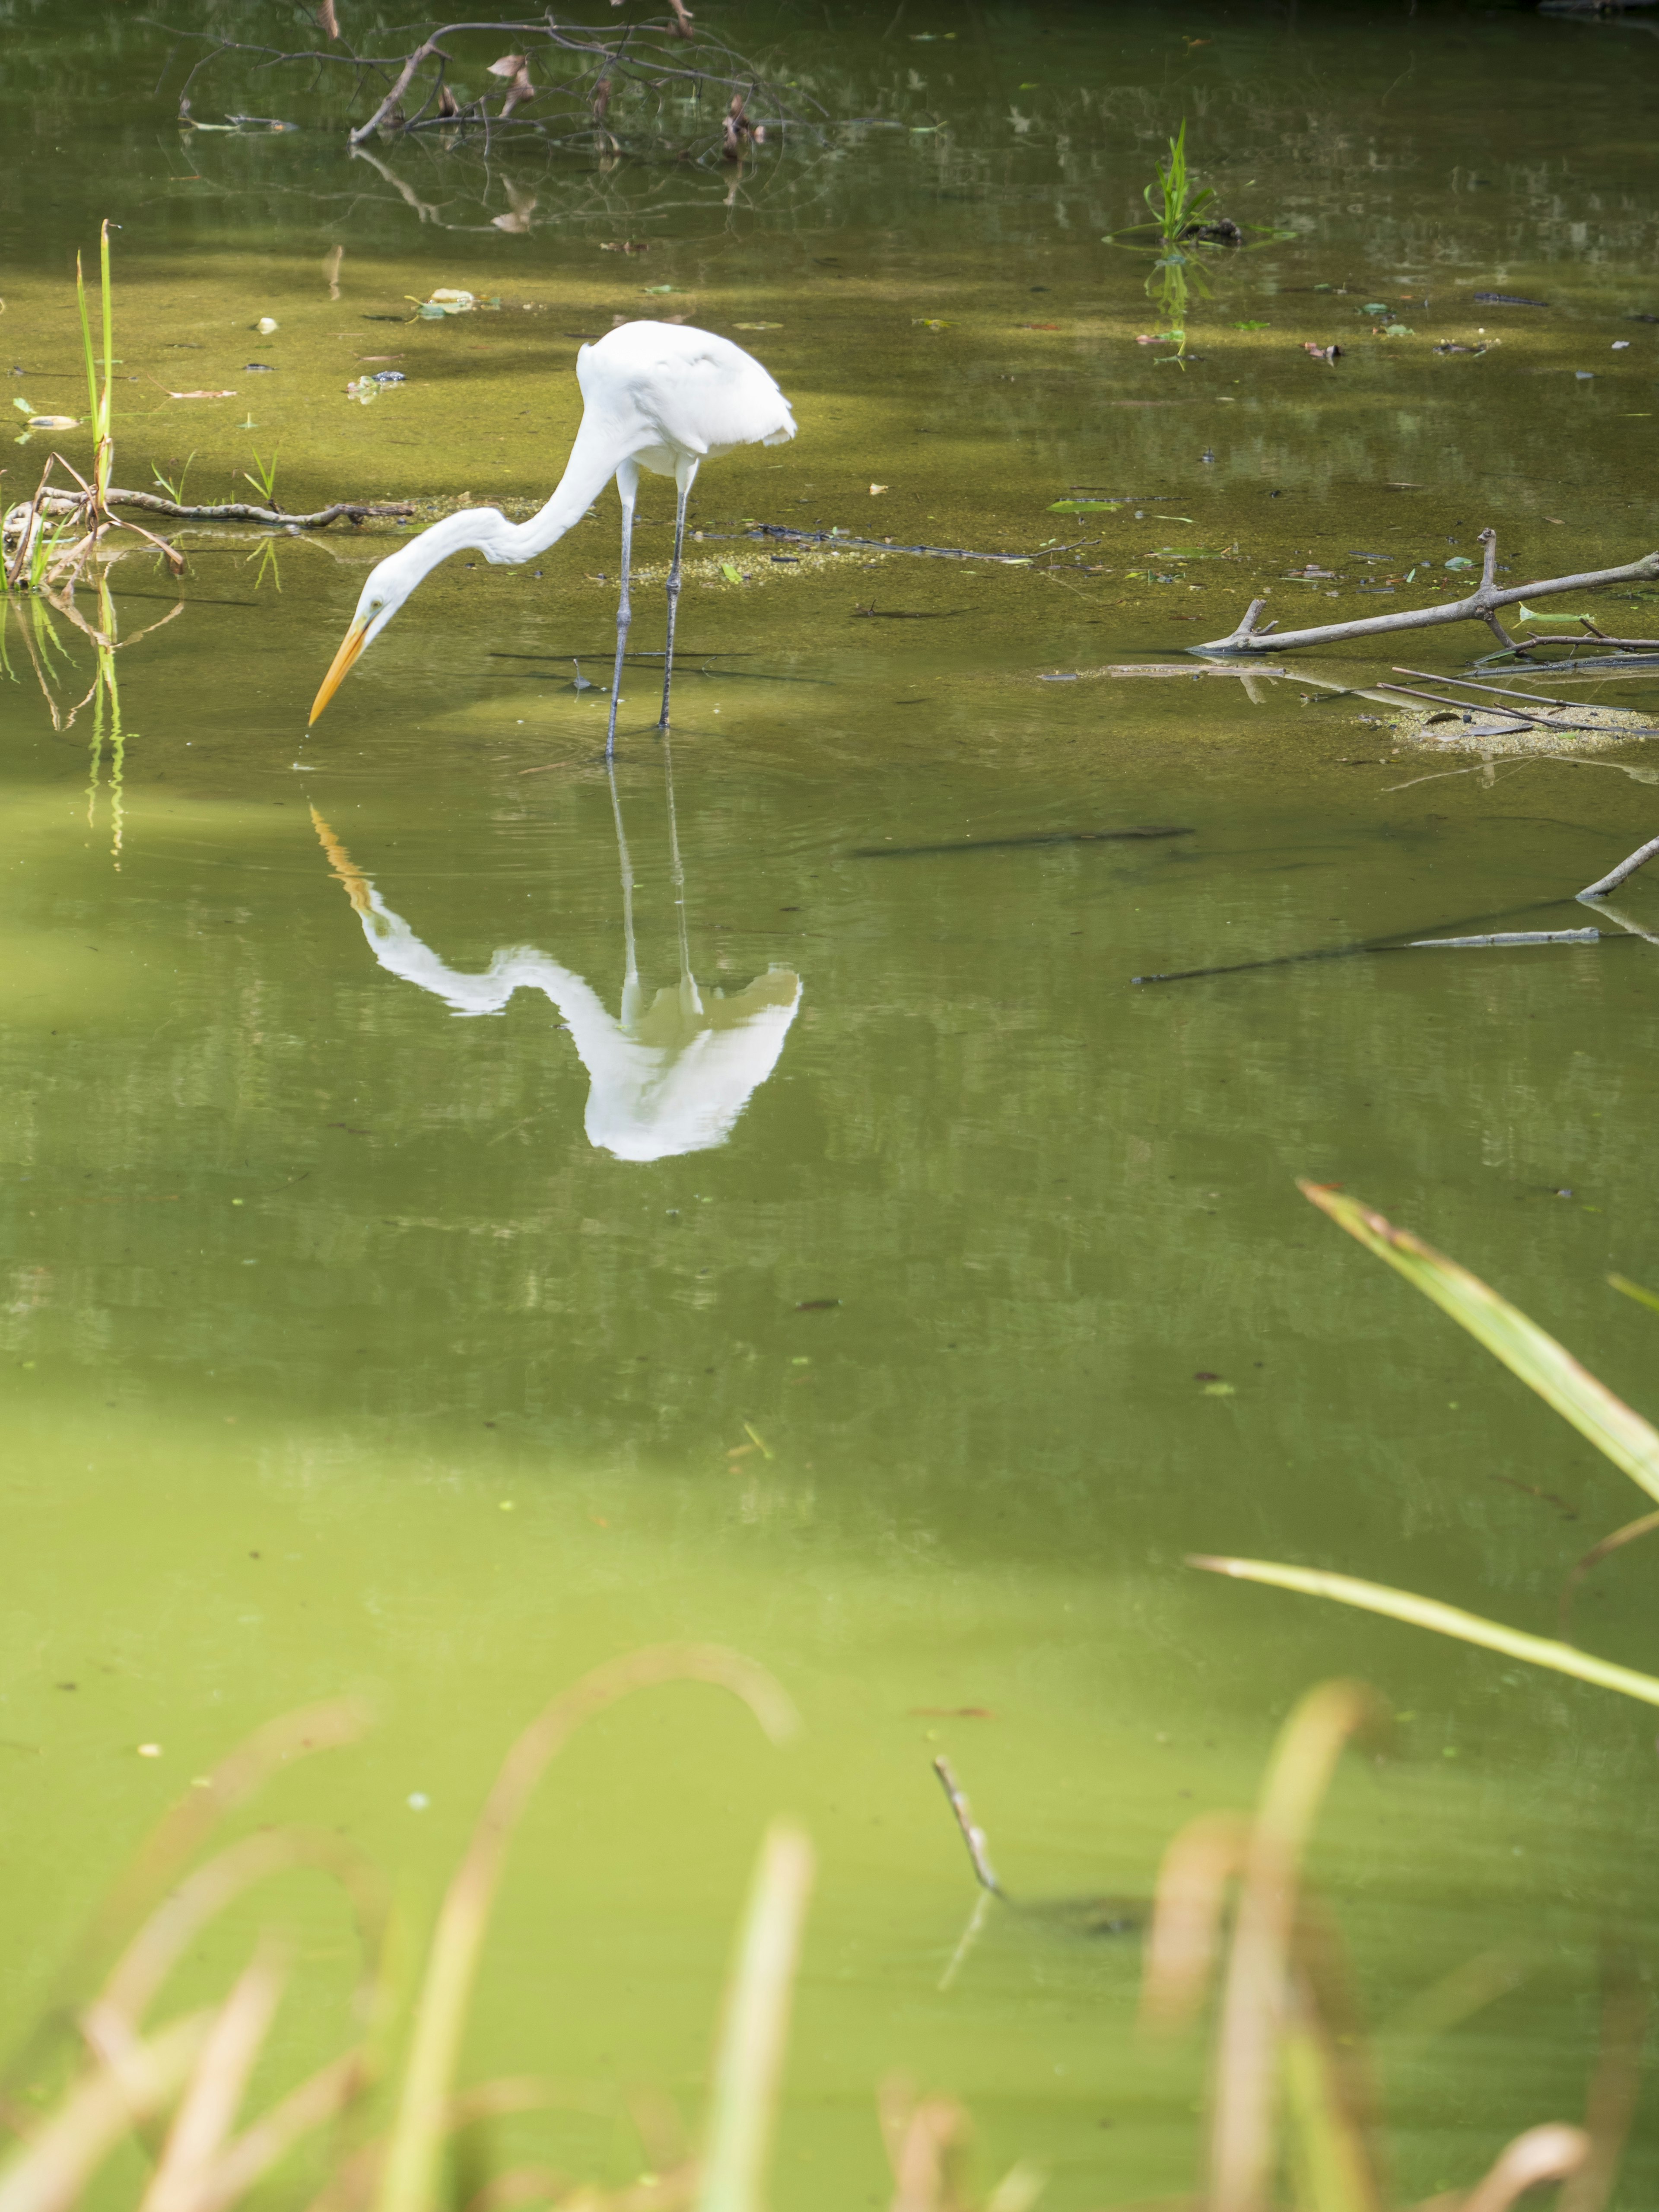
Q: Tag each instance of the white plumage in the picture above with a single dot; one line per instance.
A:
(654, 396)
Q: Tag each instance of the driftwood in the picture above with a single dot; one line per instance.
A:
(1253, 635)
(1615, 877)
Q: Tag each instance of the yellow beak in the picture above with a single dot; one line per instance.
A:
(350, 645)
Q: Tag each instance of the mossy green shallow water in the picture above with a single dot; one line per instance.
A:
(339, 1358)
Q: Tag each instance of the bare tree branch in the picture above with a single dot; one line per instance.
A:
(1254, 637)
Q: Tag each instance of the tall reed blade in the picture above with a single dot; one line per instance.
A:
(207, 2111)
(755, 2031)
(106, 454)
(1447, 1619)
(1253, 2008)
(1524, 1348)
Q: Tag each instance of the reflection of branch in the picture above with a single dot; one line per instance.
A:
(641, 55)
(427, 212)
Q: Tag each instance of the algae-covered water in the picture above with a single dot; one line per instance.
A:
(378, 1317)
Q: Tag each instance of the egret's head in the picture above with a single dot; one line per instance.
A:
(389, 585)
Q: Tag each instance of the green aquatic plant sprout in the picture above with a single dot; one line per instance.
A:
(173, 489)
(1179, 204)
(1184, 232)
(1617, 1432)
(263, 477)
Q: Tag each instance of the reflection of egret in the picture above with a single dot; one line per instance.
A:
(654, 396)
(670, 1075)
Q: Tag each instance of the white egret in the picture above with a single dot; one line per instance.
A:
(654, 396)
(671, 1076)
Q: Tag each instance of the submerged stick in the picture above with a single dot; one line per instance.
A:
(974, 1836)
(1615, 877)
(1479, 606)
(1509, 937)
(1393, 943)
(1005, 844)
(239, 510)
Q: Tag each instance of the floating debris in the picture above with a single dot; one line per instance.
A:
(1506, 300)
(444, 301)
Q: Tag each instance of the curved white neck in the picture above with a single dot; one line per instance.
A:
(594, 459)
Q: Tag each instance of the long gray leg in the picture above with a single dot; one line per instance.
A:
(628, 484)
(631, 1005)
(686, 475)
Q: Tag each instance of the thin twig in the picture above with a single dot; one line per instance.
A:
(978, 1850)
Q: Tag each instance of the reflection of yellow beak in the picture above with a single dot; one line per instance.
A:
(356, 883)
(350, 645)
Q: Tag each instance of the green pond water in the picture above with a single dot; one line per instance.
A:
(369, 1323)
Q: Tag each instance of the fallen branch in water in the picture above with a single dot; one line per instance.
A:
(354, 511)
(1481, 605)
(1615, 877)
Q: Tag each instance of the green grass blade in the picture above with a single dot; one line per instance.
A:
(109, 329)
(1445, 1619)
(85, 342)
(1525, 1349)
(1634, 1291)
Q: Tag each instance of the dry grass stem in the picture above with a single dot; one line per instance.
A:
(409, 2179)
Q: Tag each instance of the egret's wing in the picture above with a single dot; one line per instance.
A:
(686, 1096)
(692, 388)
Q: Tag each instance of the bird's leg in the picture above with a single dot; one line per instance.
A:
(628, 482)
(686, 475)
(630, 1006)
(691, 999)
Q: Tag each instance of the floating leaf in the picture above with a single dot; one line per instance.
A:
(1083, 505)
(1460, 561)
(1374, 307)
(732, 575)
